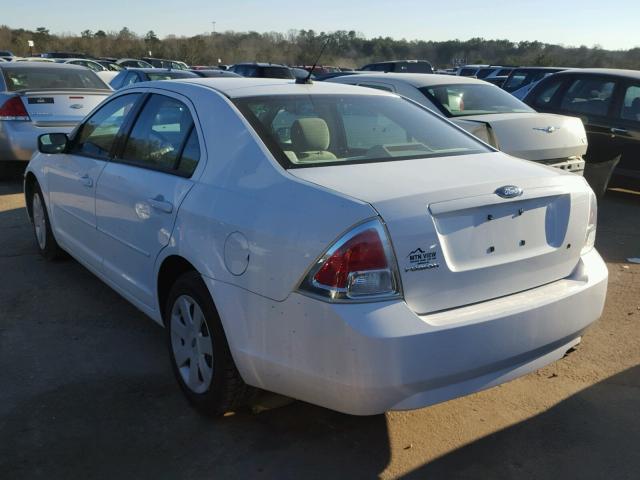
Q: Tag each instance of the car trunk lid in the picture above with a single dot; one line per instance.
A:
(61, 108)
(532, 136)
(457, 241)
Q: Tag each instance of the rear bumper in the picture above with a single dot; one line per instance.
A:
(573, 165)
(366, 359)
(18, 140)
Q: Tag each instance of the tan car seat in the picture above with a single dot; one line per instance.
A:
(310, 139)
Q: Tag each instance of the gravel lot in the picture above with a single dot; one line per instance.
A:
(86, 391)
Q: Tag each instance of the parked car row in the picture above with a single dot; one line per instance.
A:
(607, 107)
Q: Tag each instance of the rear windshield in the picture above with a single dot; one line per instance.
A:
(51, 78)
(311, 130)
(473, 99)
(170, 75)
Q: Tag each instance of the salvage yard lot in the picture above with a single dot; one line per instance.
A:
(86, 391)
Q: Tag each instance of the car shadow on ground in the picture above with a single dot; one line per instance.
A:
(618, 238)
(587, 436)
(87, 391)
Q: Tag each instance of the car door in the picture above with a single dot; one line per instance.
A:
(590, 97)
(140, 191)
(625, 127)
(72, 178)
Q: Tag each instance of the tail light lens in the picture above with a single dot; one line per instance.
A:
(13, 109)
(592, 224)
(358, 266)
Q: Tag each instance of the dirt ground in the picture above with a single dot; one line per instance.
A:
(86, 391)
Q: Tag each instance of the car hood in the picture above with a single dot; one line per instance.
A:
(532, 136)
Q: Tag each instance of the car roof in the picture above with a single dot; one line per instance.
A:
(155, 70)
(255, 87)
(417, 80)
(540, 68)
(261, 64)
(618, 72)
(36, 65)
(399, 61)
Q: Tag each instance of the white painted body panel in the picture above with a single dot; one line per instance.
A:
(360, 358)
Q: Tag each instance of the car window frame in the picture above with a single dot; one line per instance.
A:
(618, 102)
(71, 149)
(554, 103)
(120, 145)
(570, 79)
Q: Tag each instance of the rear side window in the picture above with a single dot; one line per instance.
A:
(544, 95)
(631, 104)
(170, 75)
(591, 96)
(97, 135)
(50, 78)
(160, 135)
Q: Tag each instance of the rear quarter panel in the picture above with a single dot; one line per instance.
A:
(287, 222)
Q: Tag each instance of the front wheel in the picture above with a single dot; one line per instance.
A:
(200, 355)
(46, 242)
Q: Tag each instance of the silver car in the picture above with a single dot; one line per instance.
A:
(37, 98)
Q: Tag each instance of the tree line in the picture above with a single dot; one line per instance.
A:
(298, 47)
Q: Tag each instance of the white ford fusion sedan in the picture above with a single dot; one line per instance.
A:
(335, 244)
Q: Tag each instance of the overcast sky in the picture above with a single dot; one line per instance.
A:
(612, 24)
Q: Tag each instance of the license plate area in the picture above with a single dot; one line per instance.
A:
(500, 233)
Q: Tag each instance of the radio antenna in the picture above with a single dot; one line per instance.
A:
(307, 79)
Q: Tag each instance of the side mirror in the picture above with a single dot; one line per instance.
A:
(53, 142)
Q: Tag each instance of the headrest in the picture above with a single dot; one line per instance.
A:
(310, 134)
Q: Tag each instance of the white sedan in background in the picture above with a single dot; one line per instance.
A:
(491, 114)
(335, 244)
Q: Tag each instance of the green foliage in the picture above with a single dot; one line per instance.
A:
(345, 48)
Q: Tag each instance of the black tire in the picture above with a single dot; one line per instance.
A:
(226, 390)
(48, 247)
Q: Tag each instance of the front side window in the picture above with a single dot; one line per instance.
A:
(160, 134)
(631, 104)
(97, 135)
(459, 100)
(591, 96)
(307, 130)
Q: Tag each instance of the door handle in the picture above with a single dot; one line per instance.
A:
(160, 204)
(619, 131)
(86, 180)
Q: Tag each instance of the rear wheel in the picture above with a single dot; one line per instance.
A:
(200, 355)
(47, 245)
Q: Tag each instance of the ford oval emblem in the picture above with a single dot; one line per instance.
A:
(509, 191)
(76, 106)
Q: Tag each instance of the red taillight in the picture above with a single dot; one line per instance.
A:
(13, 109)
(362, 252)
(360, 265)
